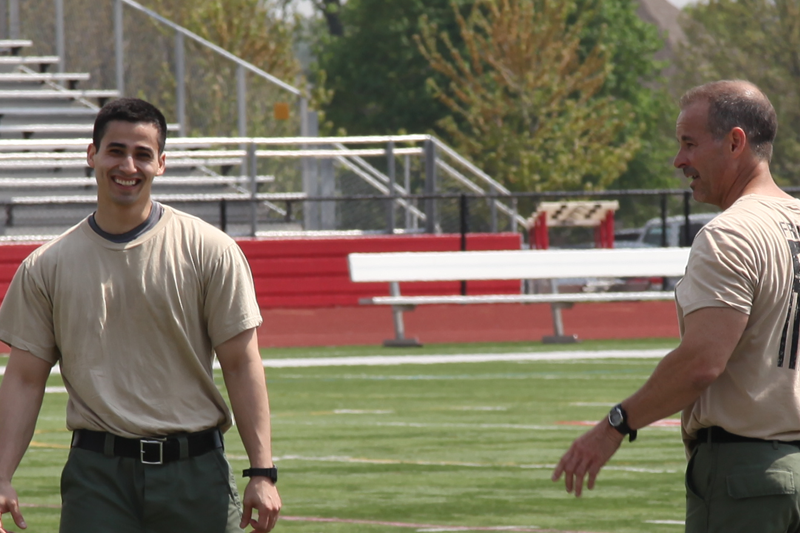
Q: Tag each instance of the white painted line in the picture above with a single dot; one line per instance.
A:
(556, 427)
(468, 528)
(360, 412)
(392, 360)
(362, 460)
(480, 408)
(667, 522)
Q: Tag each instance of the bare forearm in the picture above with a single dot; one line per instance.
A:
(249, 402)
(21, 394)
(244, 378)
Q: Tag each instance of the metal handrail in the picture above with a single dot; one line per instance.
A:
(322, 147)
(224, 53)
(180, 62)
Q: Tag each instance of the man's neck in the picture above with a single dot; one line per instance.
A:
(757, 180)
(119, 219)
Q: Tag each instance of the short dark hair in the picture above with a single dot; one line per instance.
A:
(130, 110)
(737, 103)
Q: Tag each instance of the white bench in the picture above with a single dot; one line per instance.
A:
(509, 265)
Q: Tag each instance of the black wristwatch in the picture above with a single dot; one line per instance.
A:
(618, 419)
(270, 473)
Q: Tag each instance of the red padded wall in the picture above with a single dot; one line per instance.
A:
(312, 271)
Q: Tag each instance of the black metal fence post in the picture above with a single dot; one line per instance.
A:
(664, 242)
(223, 215)
(288, 216)
(464, 216)
(390, 204)
(431, 211)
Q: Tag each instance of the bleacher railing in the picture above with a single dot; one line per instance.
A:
(10, 19)
(318, 171)
(181, 33)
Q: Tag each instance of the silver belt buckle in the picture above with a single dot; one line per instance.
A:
(152, 451)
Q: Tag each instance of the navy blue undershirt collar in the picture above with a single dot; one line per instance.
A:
(156, 212)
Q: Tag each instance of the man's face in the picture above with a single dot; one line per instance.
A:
(701, 157)
(125, 163)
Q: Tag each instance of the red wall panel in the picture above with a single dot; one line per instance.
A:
(312, 271)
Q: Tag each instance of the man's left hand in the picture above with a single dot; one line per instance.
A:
(260, 496)
(588, 454)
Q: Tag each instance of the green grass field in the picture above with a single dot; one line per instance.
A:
(432, 447)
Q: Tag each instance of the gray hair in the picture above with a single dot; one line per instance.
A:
(737, 103)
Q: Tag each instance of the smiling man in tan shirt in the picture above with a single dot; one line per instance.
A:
(133, 303)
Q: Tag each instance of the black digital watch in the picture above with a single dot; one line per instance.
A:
(270, 473)
(618, 419)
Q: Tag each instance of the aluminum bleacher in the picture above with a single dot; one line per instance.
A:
(46, 123)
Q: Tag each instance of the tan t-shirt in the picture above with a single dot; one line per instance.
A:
(747, 259)
(133, 325)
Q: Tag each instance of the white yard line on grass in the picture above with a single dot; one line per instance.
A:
(391, 360)
(382, 360)
(363, 460)
(424, 527)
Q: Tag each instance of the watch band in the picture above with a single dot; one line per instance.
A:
(271, 473)
(622, 425)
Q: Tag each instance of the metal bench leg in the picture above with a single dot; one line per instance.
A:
(400, 339)
(558, 323)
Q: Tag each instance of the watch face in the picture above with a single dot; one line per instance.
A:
(615, 417)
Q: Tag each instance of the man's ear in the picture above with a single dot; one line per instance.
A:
(90, 153)
(162, 164)
(738, 141)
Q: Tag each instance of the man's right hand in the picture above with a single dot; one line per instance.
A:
(9, 503)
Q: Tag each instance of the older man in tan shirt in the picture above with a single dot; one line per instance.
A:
(734, 373)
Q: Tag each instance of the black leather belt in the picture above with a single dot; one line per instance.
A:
(150, 450)
(716, 434)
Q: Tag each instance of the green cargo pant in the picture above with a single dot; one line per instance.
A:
(743, 488)
(102, 494)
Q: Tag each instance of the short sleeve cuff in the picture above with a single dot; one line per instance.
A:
(230, 332)
(701, 304)
(49, 355)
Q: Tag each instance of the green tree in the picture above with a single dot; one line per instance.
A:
(378, 77)
(375, 71)
(635, 77)
(757, 40)
(525, 100)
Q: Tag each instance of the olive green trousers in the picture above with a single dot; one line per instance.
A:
(102, 494)
(748, 487)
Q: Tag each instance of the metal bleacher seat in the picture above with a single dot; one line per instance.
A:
(46, 124)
